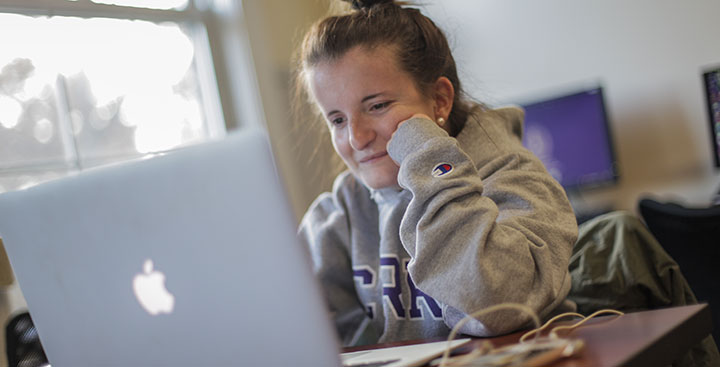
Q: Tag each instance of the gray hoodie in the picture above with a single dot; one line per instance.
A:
(477, 221)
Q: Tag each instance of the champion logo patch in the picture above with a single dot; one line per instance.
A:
(442, 169)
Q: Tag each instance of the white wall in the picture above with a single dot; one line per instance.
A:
(648, 54)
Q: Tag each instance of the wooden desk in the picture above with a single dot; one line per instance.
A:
(647, 338)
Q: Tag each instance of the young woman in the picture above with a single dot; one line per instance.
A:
(442, 212)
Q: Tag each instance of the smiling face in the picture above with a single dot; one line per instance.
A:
(364, 96)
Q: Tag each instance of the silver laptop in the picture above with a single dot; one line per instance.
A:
(187, 259)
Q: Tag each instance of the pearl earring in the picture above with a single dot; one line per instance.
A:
(441, 121)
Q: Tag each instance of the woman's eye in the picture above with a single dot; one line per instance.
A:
(379, 106)
(337, 121)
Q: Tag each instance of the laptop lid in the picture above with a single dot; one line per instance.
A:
(94, 253)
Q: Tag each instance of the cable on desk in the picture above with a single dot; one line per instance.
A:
(487, 346)
(538, 352)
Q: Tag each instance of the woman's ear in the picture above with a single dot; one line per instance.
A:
(444, 95)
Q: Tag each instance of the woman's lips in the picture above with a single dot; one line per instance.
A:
(373, 158)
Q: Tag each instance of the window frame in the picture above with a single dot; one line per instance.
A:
(220, 38)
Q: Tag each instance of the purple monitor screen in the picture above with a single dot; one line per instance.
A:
(712, 94)
(570, 135)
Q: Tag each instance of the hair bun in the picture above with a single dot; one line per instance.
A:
(367, 4)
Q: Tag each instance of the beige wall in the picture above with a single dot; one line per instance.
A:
(302, 150)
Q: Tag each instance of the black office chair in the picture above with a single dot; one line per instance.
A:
(692, 237)
(22, 345)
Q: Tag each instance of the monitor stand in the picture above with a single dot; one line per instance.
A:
(584, 210)
(586, 215)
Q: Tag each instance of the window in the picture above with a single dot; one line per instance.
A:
(88, 82)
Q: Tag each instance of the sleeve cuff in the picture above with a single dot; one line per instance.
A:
(410, 135)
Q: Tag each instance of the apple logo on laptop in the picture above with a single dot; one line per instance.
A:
(150, 290)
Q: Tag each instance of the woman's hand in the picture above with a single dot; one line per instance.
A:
(417, 115)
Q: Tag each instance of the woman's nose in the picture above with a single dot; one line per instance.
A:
(361, 133)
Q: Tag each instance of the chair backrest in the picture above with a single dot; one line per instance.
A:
(692, 237)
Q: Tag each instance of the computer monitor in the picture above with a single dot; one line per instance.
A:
(712, 96)
(571, 136)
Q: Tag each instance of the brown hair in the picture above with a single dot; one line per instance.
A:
(421, 47)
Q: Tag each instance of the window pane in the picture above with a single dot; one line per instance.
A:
(30, 132)
(151, 4)
(117, 88)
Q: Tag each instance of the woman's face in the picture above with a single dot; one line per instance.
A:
(364, 96)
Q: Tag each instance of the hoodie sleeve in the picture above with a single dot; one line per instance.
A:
(486, 229)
